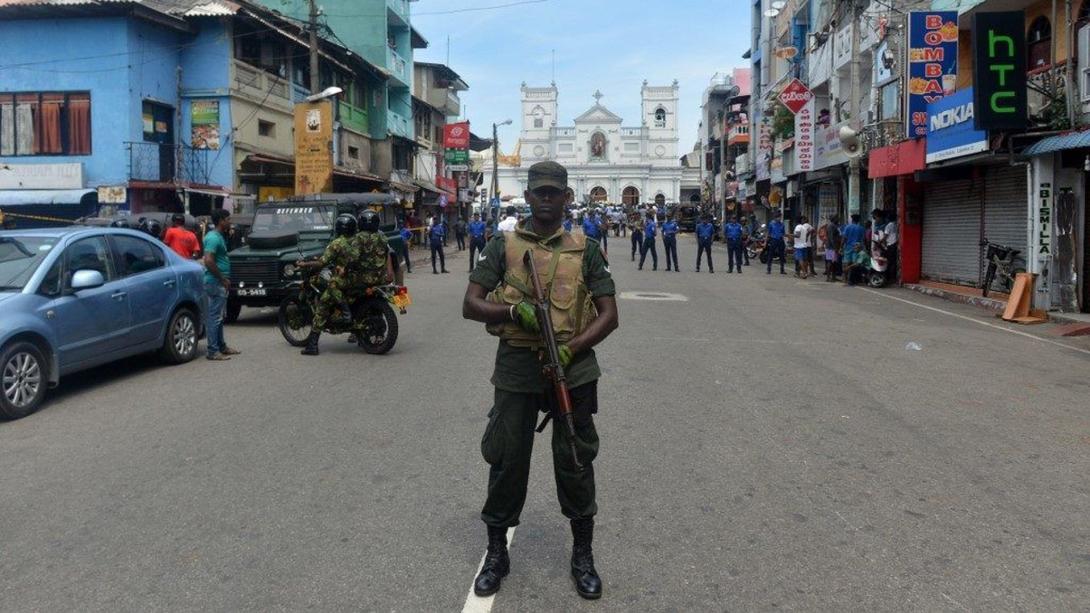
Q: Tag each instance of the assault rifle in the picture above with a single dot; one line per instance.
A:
(552, 368)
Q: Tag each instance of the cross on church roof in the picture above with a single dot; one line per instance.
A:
(597, 96)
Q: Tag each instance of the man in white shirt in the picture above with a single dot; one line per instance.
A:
(803, 234)
(508, 224)
(891, 236)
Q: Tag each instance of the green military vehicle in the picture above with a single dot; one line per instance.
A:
(284, 231)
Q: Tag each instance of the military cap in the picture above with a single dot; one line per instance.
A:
(548, 174)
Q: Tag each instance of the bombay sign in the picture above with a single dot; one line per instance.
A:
(932, 64)
(795, 96)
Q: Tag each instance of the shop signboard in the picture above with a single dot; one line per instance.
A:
(456, 156)
(804, 137)
(932, 66)
(456, 135)
(204, 119)
(764, 150)
(313, 148)
(999, 70)
(795, 96)
(950, 132)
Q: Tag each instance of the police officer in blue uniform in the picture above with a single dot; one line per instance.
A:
(637, 235)
(649, 230)
(436, 235)
(476, 231)
(567, 222)
(705, 233)
(734, 232)
(669, 242)
(774, 243)
(591, 227)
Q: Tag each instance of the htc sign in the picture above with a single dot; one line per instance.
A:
(999, 70)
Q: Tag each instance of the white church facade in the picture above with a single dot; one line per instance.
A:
(606, 161)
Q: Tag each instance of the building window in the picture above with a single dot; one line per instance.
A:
(1039, 43)
(539, 123)
(53, 123)
(354, 153)
(660, 117)
(266, 128)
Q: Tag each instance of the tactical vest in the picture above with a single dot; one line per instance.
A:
(560, 266)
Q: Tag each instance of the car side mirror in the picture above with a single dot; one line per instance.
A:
(87, 279)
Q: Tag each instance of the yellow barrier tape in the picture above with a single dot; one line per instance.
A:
(35, 217)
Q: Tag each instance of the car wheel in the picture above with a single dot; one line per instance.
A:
(234, 309)
(23, 379)
(180, 344)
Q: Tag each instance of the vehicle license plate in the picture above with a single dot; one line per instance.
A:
(251, 292)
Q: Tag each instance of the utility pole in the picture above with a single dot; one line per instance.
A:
(857, 125)
(495, 164)
(312, 26)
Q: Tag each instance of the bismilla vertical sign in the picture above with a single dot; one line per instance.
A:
(999, 70)
(932, 67)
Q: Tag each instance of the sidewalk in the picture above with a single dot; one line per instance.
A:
(995, 301)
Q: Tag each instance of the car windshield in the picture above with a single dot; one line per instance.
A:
(20, 257)
(294, 218)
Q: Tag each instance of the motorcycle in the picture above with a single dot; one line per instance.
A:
(876, 273)
(373, 321)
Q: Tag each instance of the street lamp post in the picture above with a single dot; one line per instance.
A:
(496, 159)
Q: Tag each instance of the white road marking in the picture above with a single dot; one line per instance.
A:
(977, 321)
(474, 603)
(682, 339)
(653, 296)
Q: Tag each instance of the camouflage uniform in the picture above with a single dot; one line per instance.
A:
(372, 252)
(342, 257)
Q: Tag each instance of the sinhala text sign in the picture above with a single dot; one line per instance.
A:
(313, 147)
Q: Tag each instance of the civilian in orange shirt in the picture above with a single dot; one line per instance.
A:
(182, 241)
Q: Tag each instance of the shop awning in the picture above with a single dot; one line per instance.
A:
(15, 197)
(1062, 142)
(401, 187)
(427, 185)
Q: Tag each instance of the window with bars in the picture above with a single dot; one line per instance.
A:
(45, 123)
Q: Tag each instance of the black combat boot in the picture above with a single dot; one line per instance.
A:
(496, 563)
(587, 582)
(312, 343)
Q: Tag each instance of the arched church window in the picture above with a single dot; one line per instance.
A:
(660, 117)
(598, 194)
(539, 117)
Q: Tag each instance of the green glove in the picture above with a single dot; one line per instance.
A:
(526, 317)
(566, 356)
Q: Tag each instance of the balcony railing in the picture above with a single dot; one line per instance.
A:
(353, 117)
(453, 106)
(168, 163)
(882, 134)
(399, 125)
(398, 66)
(263, 85)
(1047, 98)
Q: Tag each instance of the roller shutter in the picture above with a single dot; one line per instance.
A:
(1005, 207)
(951, 232)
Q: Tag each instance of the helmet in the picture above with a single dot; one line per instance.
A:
(119, 223)
(153, 227)
(369, 221)
(345, 225)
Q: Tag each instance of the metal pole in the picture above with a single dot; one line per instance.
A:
(495, 164)
(854, 164)
(312, 26)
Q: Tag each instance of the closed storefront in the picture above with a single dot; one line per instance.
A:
(1005, 208)
(951, 231)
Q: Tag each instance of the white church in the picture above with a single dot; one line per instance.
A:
(606, 161)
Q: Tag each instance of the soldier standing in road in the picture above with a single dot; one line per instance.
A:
(477, 230)
(437, 234)
(705, 233)
(734, 232)
(649, 230)
(774, 242)
(584, 313)
(669, 242)
(637, 235)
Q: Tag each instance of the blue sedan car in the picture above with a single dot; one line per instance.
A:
(77, 297)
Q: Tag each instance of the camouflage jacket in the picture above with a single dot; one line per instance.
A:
(372, 253)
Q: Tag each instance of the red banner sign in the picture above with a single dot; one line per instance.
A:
(448, 185)
(456, 135)
(796, 95)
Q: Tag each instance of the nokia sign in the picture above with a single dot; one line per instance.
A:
(950, 132)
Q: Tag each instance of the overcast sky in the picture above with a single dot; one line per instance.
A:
(612, 45)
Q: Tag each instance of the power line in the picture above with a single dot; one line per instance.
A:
(462, 10)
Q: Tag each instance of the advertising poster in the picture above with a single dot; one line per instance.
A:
(205, 121)
(932, 64)
(313, 148)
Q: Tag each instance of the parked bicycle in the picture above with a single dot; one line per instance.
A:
(1004, 264)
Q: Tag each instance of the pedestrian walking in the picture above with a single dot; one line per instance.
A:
(476, 229)
(637, 235)
(521, 391)
(181, 240)
(705, 234)
(436, 236)
(669, 243)
(774, 243)
(217, 284)
(832, 248)
(649, 230)
(803, 237)
(406, 237)
(460, 233)
(735, 244)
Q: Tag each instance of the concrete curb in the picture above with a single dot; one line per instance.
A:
(978, 301)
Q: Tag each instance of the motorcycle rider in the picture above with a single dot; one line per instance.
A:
(342, 257)
(375, 258)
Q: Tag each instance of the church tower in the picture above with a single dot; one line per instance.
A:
(660, 122)
(539, 109)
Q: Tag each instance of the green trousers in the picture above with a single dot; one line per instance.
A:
(508, 443)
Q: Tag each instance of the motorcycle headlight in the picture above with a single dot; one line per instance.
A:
(289, 270)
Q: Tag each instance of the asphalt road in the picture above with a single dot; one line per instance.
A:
(767, 443)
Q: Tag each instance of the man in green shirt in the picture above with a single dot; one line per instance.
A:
(584, 312)
(217, 283)
(856, 264)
